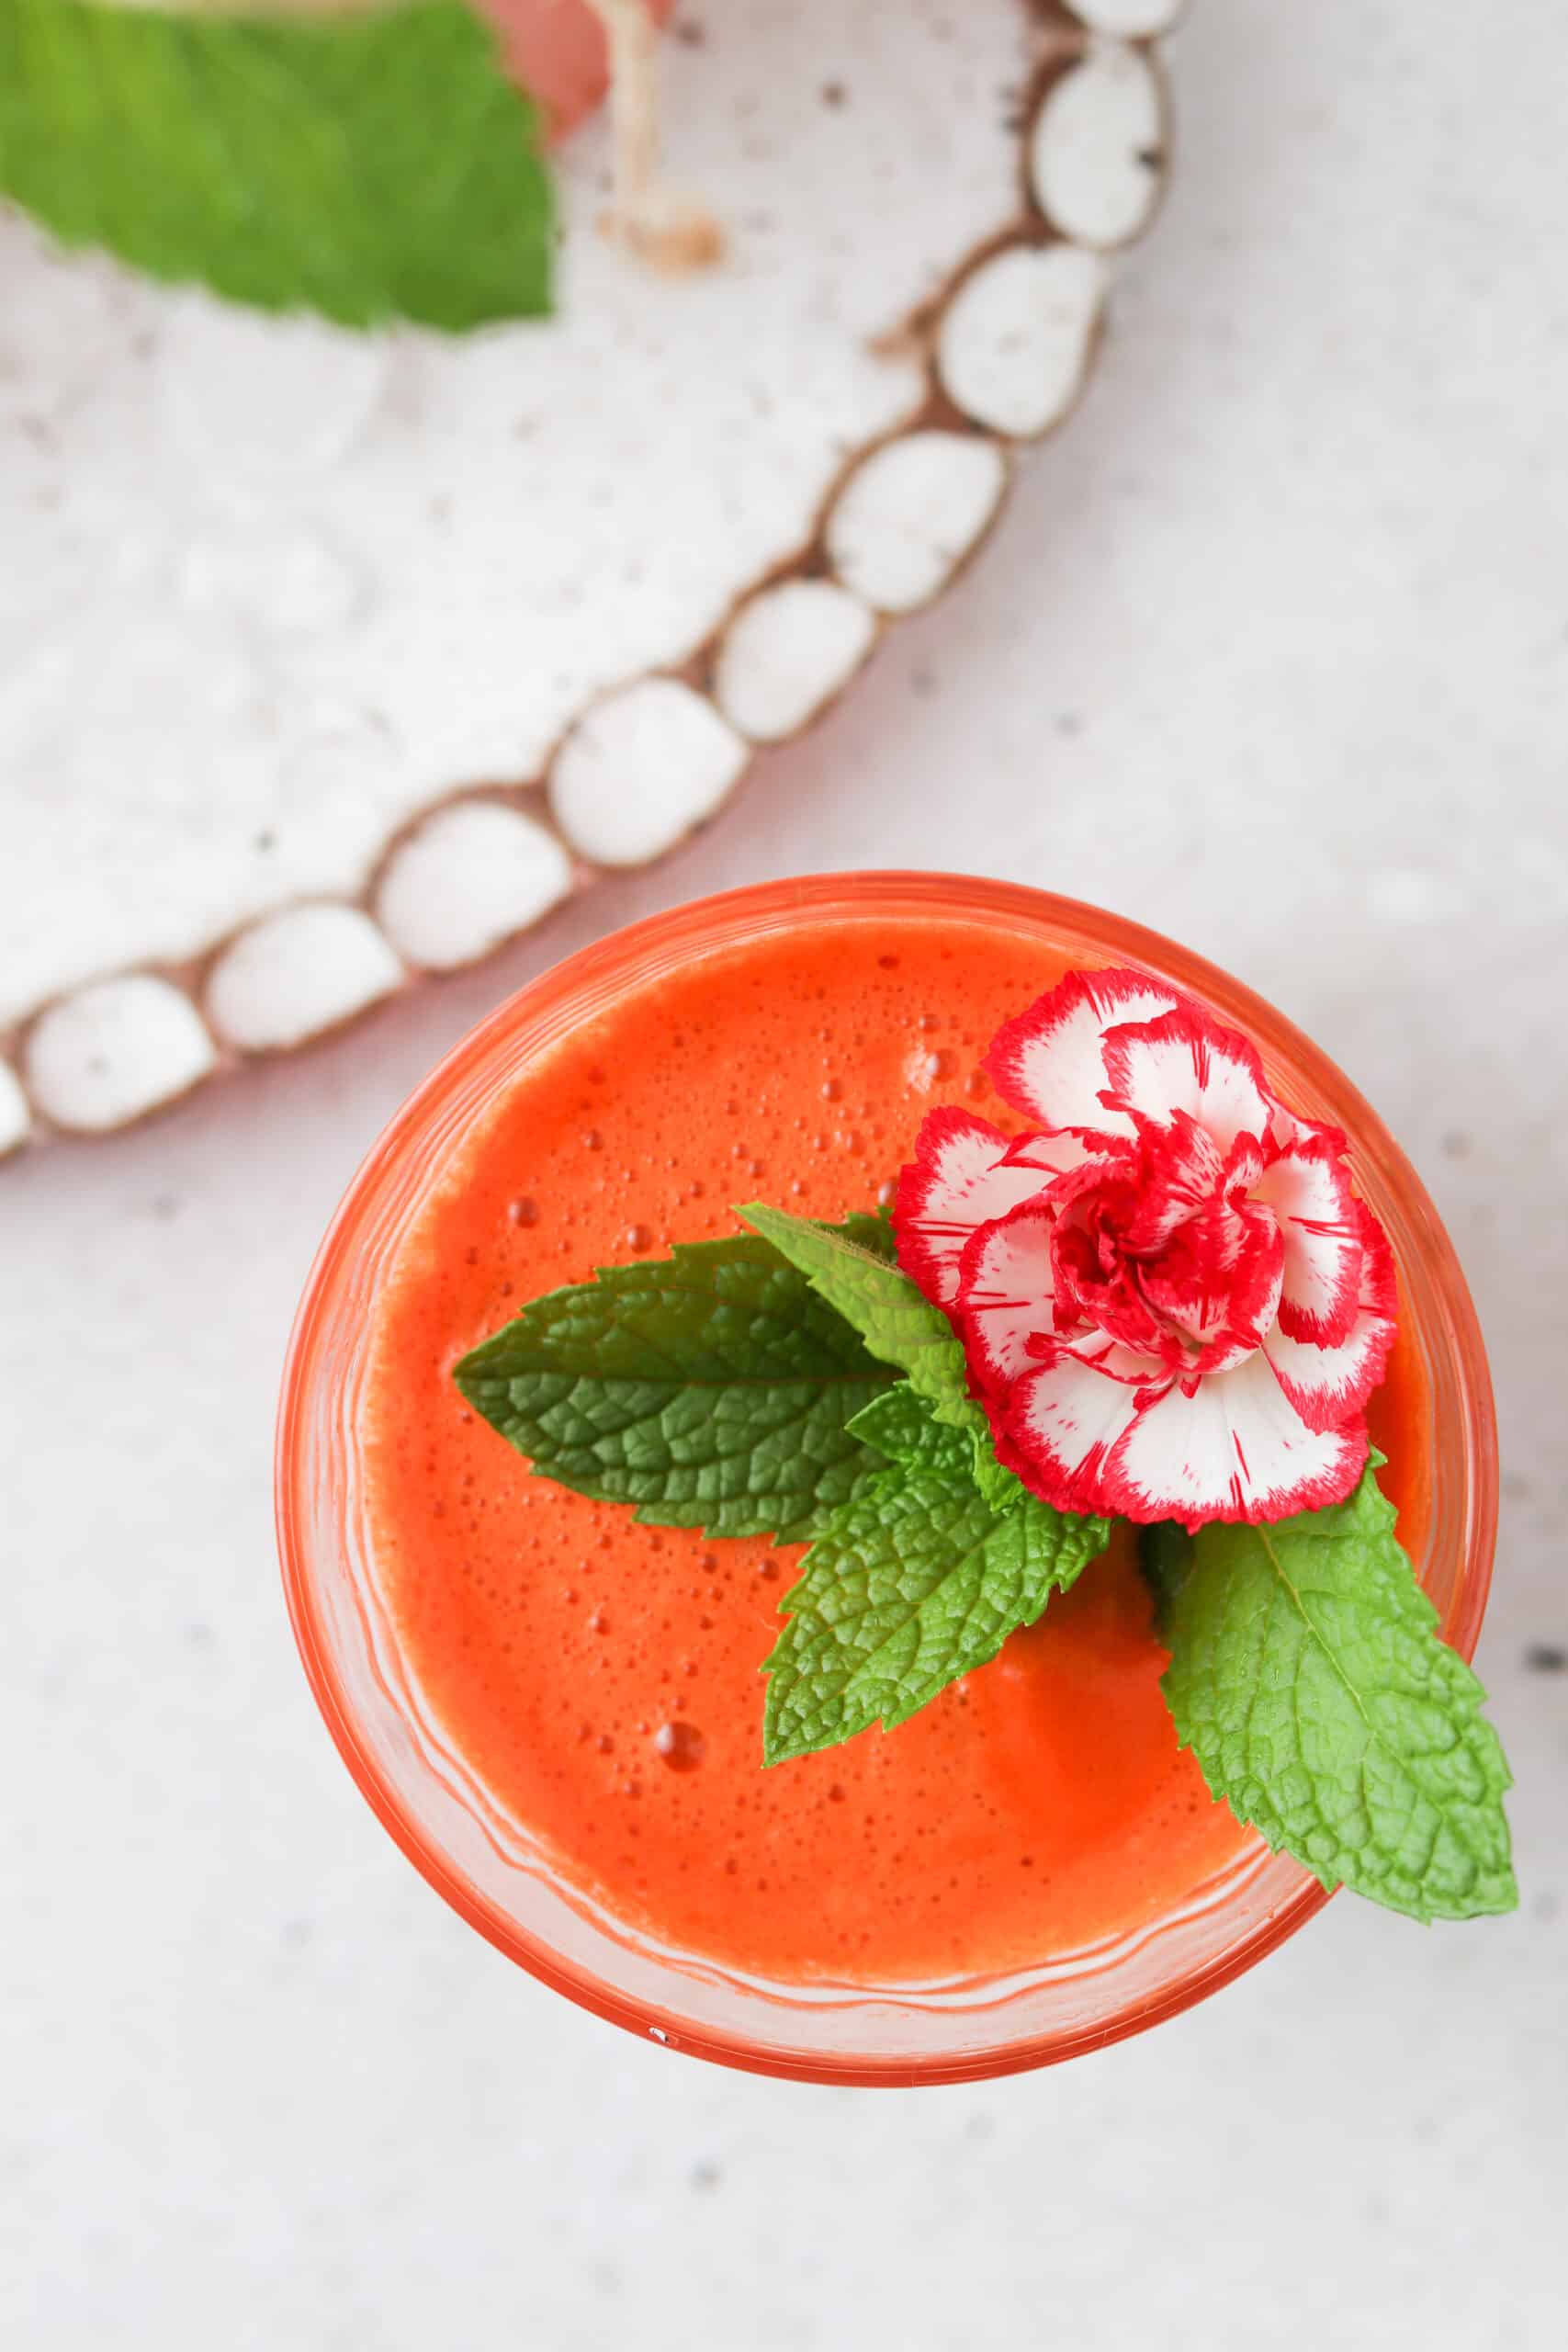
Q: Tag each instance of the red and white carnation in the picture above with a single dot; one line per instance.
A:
(1171, 1303)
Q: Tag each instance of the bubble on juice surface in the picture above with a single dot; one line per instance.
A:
(925, 1067)
(524, 1210)
(681, 1745)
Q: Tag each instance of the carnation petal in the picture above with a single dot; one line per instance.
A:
(1048, 1062)
(1061, 1426)
(1055, 1157)
(1182, 1169)
(1236, 1449)
(1253, 1299)
(960, 1178)
(1308, 1188)
(1328, 1384)
(1185, 1062)
(1004, 1293)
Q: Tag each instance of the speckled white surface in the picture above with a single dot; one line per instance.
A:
(1272, 649)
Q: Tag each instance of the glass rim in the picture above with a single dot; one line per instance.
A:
(636, 954)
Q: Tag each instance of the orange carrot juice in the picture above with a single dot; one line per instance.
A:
(602, 1679)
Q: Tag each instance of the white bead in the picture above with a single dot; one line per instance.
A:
(640, 769)
(1016, 339)
(1134, 19)
(114, 1050)
(787, 652)
(296, 973)
(469, 877)
(1096, 154)
(909, 516)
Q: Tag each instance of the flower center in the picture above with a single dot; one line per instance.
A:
(1166, 1255)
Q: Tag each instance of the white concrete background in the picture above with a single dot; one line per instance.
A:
(1271, 652)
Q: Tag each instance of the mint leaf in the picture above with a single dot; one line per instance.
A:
(913, 1582)
(896, 1320)
(711, 1389)
(1001, 1489)
(366, 166)
(904, 1428)
(898, 1323)
(1309, 1679)
(868, 1229)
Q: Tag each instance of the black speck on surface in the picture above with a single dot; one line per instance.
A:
(834, 93)
(1546, 1657)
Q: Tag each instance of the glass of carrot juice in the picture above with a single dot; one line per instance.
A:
(555, 1708)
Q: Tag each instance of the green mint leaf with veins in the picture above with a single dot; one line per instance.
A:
(1308, 1677)
(903, 1429)
(898, 1323)
(896, 1320)
(712, 1389)
(366, 166)
(914, 1583)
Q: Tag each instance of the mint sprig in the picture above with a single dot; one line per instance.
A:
(897, 1323)
(750, 1386)
(710, 1389)
(903, 1427)
(913, 1583)
(1309, 1679)
(367, 166)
